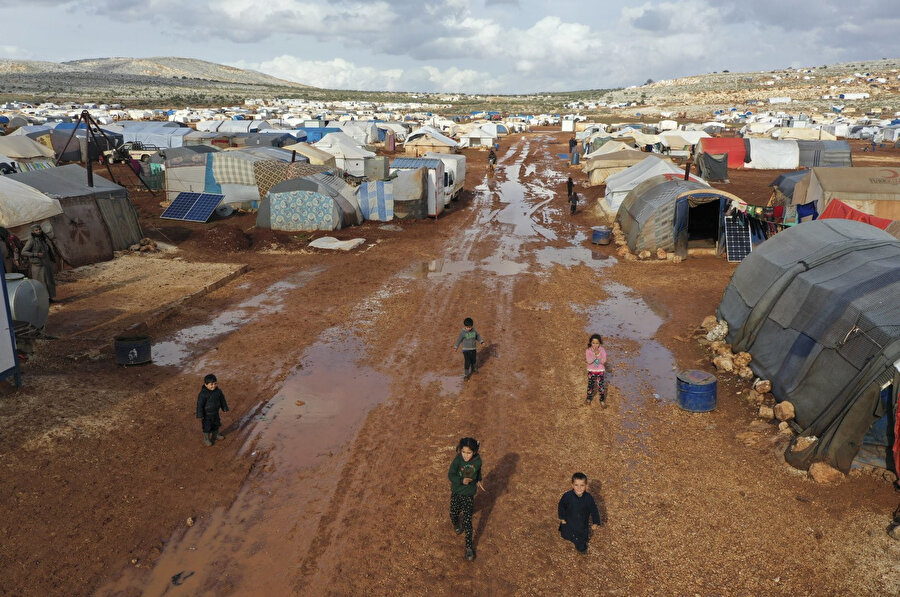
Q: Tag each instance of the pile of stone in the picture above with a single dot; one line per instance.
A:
(760, 396)
(661, 256)
(146, 245)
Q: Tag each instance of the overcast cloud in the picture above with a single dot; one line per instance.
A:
(483, 46)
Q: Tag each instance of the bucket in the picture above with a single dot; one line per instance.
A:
(132, 350)
(696, 390)
(600, 235)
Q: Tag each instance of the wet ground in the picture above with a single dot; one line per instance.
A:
(347, 400)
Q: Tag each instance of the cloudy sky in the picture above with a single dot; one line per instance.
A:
(481, 46)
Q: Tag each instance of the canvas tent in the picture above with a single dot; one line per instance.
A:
(428, 139)
(75, 148)
(21, 204)
(733, 146)
(838, 209)
(22, 154)
(771, 154)
(601, 167)
(95, 221)
(875, 191)
(661, 213)
(317, 202)
(824, 153)
(713, 167)
(618, 185)
(348, 155)
(409, 189)
(816, 307)
(610, 146)
(477, 137)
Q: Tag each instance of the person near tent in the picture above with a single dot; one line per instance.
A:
(492, 160)
(42, 257)
(12, 251)
(572, 144)
(573, 203)
(570, 186)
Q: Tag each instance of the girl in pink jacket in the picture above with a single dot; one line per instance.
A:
(596, 366)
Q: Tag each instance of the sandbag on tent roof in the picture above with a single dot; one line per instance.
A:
(733, 146)
(874, 191)
(771, 154)
(601, 167)
(21, 204)
(661, 213)
(305, 204)
(618, 185)
(95, 221)
(815, 305)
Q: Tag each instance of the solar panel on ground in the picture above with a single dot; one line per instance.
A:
(192, 207)
(737, 239)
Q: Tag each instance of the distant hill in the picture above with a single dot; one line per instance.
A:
(139, 81)
(190, 68)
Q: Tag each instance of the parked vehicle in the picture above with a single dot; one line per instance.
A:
(131, 150)
(454, 171)
(439, 187)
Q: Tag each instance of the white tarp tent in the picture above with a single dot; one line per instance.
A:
(771, 154)
(348, 155)
(21, 204)
(618, 185)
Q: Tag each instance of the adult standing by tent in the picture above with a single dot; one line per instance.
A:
(570, 186)
(42, 256)
(572, 144)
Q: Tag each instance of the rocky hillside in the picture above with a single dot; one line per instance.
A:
(176, 67)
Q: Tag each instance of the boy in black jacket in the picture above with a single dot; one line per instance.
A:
(209, 402)
(576, 508)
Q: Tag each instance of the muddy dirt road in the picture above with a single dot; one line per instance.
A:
(347, 402)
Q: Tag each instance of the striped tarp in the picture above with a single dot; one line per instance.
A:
(376, 200)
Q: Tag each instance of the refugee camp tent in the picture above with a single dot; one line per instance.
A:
(477, 137)
(233, 126)
(610, 146)
(601, 167)
(661, 213)
(428, 139)
(363, 132)
(713, 167)
(815, 305)
(497, 129)
(185, 150)
(160, 134)
(21, 204)
(376, 200)
(618, 185)
(74, 148)
(308, 203)
(95, 221)
(313, 154)
(824, 153)
(35, 132)
(874, 191)
(733, 146)
(348, 155)
(272, 138)
(771, 154)
(400, 131)
(20, 153)
(805, 134)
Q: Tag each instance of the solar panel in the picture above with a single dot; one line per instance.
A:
(737, 239)
(192, 207)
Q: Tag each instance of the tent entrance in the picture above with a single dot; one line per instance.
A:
(703, 225)
(877, 445)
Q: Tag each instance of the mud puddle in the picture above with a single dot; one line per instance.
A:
(176, 349)
(252, 547)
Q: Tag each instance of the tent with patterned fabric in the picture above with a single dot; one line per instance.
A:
(316, 202)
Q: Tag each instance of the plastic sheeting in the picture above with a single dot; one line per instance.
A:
(21, 204)
(769, 154)
(618, 185)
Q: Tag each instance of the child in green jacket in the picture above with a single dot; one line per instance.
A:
(465, 479)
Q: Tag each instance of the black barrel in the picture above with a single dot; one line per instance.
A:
(132, 350)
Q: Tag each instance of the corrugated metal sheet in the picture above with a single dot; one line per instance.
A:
(413, 163)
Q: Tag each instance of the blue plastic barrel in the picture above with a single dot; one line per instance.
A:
(575, 158)
(696, 390)
(600, 235)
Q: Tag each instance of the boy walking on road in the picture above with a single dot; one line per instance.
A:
(210, 400)
(468, 337)
(576, 507)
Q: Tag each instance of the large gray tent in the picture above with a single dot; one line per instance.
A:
(816, 305)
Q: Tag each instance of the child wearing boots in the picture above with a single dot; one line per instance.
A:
(596, 369)
(209, 402)
(576, 510)
(468, 337)
(465, 480)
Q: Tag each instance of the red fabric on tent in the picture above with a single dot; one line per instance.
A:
(839, 209)
(733, 146)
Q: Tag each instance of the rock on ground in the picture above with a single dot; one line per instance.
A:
(784, 411)
(821, 472)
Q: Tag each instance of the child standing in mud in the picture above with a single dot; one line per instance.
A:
(468, 337)
(576, 509)
(210, 400)
(596, 369)
(465, 479)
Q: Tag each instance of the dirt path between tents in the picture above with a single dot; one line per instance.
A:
(347, 401)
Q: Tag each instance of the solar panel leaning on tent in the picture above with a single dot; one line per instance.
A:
(816, 306)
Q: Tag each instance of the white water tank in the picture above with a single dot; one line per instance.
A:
(28, 300)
